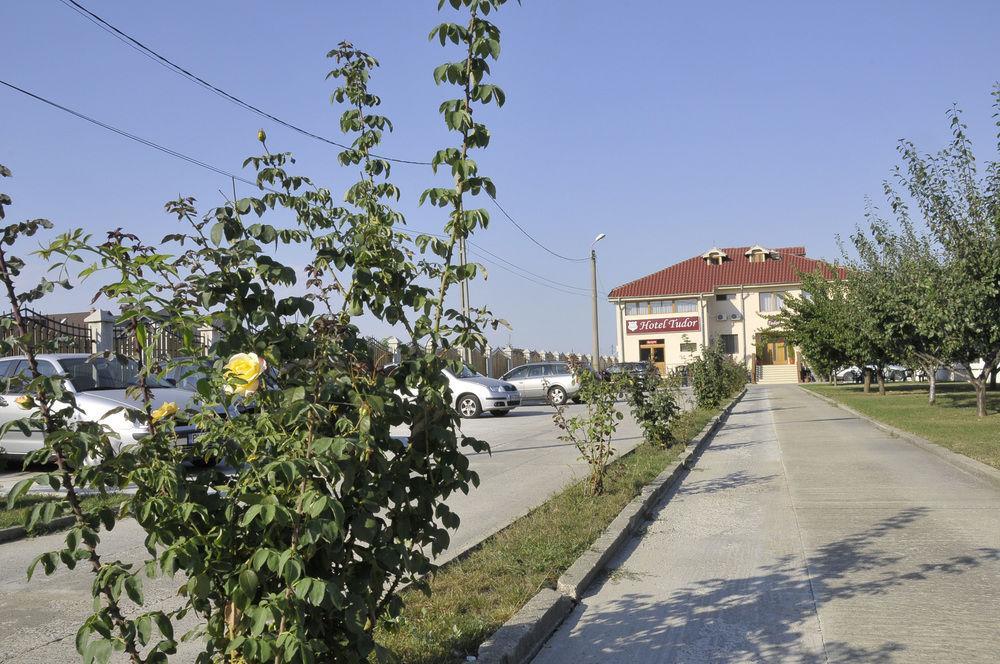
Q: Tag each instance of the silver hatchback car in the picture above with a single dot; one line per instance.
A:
(99, 385)
(552, 381)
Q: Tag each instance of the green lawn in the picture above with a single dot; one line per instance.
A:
(471, 598)
(951, 422)
(19, 515)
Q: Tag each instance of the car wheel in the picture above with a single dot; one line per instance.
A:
(557, 395)
(500, 413)
(469, 406)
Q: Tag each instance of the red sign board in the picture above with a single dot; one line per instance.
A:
(651, 325)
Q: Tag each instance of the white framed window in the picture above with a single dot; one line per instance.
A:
(772, 301)
(661, 307)
(636, 308)
(687, 306)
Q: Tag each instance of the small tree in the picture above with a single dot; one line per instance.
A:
(593, 431)
(951, 312)
(653, 401)
(815, 321)
(715, 376)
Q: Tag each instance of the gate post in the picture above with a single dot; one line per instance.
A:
(392, 343)
(102, 330)
(208, 336)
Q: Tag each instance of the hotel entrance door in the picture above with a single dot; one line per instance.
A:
(651, 350)
(777, 351)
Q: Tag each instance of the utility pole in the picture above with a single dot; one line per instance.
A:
(596, 350)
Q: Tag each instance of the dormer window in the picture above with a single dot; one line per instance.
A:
(758, 254)
(715, 256)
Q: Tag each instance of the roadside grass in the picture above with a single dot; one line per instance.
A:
(19, 515)
(472, 597)
(951, 422)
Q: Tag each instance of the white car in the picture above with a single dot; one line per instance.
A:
(99, 385)
(475, 393)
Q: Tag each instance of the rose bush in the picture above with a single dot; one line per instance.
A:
(297, 553)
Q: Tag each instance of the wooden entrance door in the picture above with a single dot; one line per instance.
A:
(652, 351)
(778, 351)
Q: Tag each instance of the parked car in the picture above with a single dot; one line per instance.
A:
(891, 372)
(474, 393)
(896, 372)
(552, 381)
(99, 385)
(637, 369)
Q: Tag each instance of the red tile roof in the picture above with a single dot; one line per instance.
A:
(694, 275)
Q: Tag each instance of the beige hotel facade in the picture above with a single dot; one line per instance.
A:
(724, 294)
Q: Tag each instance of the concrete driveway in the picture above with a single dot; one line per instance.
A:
(804, 534)
(38, 620)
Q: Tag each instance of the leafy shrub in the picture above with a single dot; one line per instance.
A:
(653, 401)
(592, 431)
(715, 376)
(296, 555)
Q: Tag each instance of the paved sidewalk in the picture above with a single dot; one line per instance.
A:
(803, 535)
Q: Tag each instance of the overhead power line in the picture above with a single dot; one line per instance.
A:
(530, 237)
(538, 279)
(166, 62)
(137, 45)
(121, 132)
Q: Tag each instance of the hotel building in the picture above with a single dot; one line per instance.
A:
(665, 317)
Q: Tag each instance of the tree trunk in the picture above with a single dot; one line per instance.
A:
(932, 393)
(833, 378)
(868, 380)
(993, 379)
(881, 382)
(979, 384)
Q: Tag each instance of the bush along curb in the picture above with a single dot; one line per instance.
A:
(15, 533)
(960, 461)
(520, 638)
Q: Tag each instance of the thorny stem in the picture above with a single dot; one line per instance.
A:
(66, 478)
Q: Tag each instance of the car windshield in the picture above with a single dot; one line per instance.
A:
(465, 372)
(88, 374)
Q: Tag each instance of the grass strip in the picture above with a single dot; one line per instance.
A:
(951, 422)
(473, 597)
(19, 515)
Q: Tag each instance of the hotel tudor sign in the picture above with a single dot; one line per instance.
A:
(652, 325)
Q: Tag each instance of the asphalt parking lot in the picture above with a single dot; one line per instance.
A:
(526, 465)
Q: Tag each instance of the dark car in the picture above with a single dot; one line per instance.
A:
(636, 369)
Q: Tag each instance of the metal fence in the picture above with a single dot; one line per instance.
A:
(50, 335)
(163, 343)
(381, 353)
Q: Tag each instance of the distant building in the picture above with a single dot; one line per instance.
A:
(725, 294)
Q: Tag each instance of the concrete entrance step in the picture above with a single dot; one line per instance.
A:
(777, 374)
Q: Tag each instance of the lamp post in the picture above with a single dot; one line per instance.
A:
(596, 350)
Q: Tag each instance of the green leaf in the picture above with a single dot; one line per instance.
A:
(248, 582)
(19, 490)
(133, 588)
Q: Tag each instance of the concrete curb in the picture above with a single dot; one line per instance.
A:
(521, 637)
(15, 533)
(976, 468)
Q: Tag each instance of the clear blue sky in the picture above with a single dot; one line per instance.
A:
(669, 126)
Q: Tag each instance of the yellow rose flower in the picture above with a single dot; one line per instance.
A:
(165, 410)
(23, 401)
(243, 373)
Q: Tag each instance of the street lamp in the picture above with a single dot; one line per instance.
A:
(596, 350)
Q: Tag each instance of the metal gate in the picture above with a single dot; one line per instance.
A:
(48, 335)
